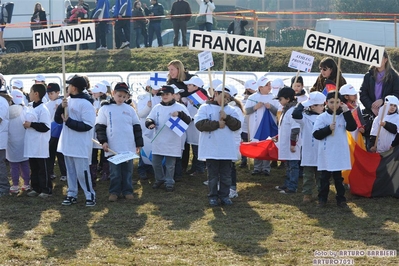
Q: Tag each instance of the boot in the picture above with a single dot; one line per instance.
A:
(105, 172)
(93, 173)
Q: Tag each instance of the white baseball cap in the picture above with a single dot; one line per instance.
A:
(227, 88)
(251, 84)
(195, 81)
(105, 82)
(40, 78)
(99, 87)
(347, 89)
(18, 83)
(177, 90)
(17, 97)
(315, 97)
(233, 91)
(262, 81)
(277, 84)
(391, 99)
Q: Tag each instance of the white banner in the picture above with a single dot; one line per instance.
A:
(227, 43)
(301, 62)
(123, 157)
(345, 48)
(77, 34)
(205, 60)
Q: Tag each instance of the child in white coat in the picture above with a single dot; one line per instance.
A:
(333, 150)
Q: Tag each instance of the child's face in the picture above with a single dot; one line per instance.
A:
(53, 95)
(392, 108)
(317, 108)
(283, 101)
(97, 95)
(120, 97)
(177, 97)
(167, 97)
(332, 104)
(34, 96)
(191, 87)
(351, 98)
(265, 89)
(218, 97)
(154, 92)
(297, 87)
(72, 89)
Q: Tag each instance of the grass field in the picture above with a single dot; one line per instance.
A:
(263, 227)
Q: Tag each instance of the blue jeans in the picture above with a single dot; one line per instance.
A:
(121, 178)
(143, 169)
(141, 31)
(206, 26)
(219, 171)
(291, 181)
(325, 186)
(4, 183)
(154, 27)
(233, 176)
(162, 175)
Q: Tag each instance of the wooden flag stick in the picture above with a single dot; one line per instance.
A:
(296, 78)
(379, 126)
(336, 91)
(224, 78)
(211, 88)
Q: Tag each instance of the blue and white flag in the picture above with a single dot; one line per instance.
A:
(158, 80)
(177, 125)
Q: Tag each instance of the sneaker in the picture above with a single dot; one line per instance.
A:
(90, 203)
(189, 172)
(307, 198)
(266, 173)
(233, 194)
(157, 184)
(53, 176)
(112, 198)
(101, 48)
(14, 189)
(226, 201)
(343, 205)
(69, 201)
(63, 178)
(205, 182)
(213, 202)
(287, 191)
(256, 172)
(280, 188)
(32, 194)
(44, 195)
(25, 187)
(197, 174)
(169, 188)
(124, 45)
(129, 197)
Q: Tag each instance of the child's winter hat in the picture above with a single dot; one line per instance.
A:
(17, 97)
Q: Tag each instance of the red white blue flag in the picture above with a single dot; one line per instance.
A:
(198, 97)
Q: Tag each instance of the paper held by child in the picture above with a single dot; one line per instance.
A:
(119, 157)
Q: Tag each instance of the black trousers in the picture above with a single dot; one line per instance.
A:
(122, 30)
(39, 178)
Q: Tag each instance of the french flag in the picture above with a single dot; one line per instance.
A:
(177, 125)
(198, 97)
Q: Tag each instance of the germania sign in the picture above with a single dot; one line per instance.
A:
(345, 48)
(227, 43)
(77, 34)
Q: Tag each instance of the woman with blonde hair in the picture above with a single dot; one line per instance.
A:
(177, 74)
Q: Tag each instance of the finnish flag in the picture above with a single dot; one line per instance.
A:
(177, 125)
(158, 80)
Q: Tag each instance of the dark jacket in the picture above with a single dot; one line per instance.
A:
(367, 95)
(326, 131)
(157, 10)
(208, 125)
(181, 7)
(138, 23)
(42, 17)
(243, 23)
(181, 85)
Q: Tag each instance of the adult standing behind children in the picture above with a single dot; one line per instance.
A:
(123, 13)
(36, 144)
(139, 25)
(154, 11)
(237, 26)
(328, 70)
(206, 8)
(182, 8)
(75, 139)
(118, 128)
(177, 75)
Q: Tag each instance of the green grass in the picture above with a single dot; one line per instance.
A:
(263, 227)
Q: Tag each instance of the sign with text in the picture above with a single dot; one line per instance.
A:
(344, 48)
(301, 62)
(205, 60)
(227, 43)
(53, 37)
(123, 157)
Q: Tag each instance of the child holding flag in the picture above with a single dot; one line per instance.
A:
(165, 144)
(262, 110)
(388, 121)
(216, 144)
(306, 118)
(196, 97)
(118, 128)
(333, 146)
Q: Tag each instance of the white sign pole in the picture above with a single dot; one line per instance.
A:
(63, 77)
(224, 79)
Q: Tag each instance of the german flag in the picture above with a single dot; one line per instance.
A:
(375, 174)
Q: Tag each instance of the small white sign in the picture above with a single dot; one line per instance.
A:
(53, 37)
(344, 48)
(227, 43)
(123, 157)
(205, 60)
(301, 62)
